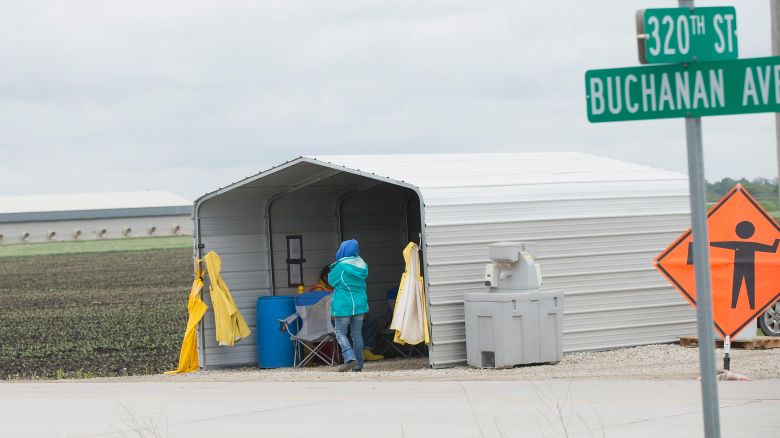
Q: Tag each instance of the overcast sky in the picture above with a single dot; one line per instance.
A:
(186, 96)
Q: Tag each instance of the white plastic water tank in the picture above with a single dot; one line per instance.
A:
(505, 329)
(515, 321)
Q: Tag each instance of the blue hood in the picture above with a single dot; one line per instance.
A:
(348, 248)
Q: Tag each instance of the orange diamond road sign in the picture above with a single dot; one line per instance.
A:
(744, 262)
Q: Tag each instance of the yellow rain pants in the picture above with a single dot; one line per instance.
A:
(188, 357)
(230, 324)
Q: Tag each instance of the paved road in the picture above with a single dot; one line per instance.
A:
(383, 409)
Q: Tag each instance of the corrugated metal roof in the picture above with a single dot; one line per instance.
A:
(90, 201)
(429, 171)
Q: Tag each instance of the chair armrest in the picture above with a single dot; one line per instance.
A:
(285, 322)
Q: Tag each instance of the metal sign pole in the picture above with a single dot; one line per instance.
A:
(701, 257)
(774, 12)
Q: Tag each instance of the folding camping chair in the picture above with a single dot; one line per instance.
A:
(386, 335)
(311, 328)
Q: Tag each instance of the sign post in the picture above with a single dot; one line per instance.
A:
(774, 12)
(698, 199)
(701, 77)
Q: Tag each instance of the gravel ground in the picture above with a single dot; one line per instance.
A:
(652, 362)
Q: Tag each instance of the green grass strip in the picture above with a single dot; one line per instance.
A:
(92, 246)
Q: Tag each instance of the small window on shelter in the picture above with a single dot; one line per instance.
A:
(295, 260)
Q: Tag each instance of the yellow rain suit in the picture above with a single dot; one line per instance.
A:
(188, 357)
(230, 324)
(410, 317)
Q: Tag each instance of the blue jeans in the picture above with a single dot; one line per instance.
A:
(352, 351)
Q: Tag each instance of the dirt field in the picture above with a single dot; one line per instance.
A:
(92, 314)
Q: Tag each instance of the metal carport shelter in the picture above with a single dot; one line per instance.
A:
(598, 224)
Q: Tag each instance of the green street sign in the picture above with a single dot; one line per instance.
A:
(698, 89)
(684, 35)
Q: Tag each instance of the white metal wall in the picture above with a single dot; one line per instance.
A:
(597, 248)
(234, 226)
(310, 213)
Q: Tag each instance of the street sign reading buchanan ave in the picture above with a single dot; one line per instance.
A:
(686, 34)
(684, 90)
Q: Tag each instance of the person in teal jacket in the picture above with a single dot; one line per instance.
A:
(348, 278)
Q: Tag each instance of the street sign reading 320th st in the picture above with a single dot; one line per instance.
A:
(684, 90)
(686, 34)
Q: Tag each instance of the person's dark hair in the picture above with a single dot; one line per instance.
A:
(324, 274)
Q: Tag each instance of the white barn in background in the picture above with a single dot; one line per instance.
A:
(90, 216)
(598, 224)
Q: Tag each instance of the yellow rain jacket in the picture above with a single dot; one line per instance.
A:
(230, 324)
(188, 357)
(410, 317)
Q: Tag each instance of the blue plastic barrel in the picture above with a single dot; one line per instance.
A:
(274, 348)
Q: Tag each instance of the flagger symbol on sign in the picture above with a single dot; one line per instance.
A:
(739, 233)
(745, 261)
